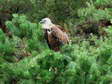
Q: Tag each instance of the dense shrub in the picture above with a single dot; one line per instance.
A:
(75, 63)
(26, 59)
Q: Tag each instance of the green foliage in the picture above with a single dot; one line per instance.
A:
(37, 9)
(2, 36)
(6, 46)
(26, 59)
(93, 14)
(25, 27)
(103, 2)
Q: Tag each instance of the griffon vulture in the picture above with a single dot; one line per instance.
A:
(54, 34)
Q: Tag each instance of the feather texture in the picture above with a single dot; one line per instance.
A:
(56, 38)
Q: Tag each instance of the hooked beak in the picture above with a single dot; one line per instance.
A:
(41, 22)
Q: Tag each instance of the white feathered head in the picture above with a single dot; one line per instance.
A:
(46, 23)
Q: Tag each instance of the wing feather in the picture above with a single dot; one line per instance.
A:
(60, 35)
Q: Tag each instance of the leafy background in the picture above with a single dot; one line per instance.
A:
(25, 57)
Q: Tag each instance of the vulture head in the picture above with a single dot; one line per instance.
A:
(46, 25)
(54, 34)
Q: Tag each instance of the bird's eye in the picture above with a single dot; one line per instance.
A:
(48, 30)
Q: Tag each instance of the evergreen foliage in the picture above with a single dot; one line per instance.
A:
(25, 57)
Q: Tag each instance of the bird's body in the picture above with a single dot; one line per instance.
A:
(54, 36)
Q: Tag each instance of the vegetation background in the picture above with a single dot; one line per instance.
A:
(25, 57)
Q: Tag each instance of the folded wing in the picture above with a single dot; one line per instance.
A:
(60, 35)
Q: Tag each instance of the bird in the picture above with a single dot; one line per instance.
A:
(55, 35)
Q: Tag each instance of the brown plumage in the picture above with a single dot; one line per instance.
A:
(54, 36)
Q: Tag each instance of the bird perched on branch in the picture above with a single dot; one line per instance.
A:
(54, 34)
